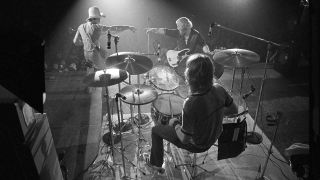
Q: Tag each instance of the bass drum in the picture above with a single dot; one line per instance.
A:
(165, 107)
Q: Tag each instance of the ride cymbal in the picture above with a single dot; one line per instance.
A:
(236, 57)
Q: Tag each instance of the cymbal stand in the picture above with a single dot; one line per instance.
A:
(243, 70)
(121, 143)
(141, 115)
(140, 136)
(107, 77)
(253, 137)
(116, 40)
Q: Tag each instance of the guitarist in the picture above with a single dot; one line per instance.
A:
(189, 41)
(88, 35)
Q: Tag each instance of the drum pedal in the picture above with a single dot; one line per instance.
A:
(144, 119)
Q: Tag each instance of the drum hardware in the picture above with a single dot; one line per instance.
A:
(161, 113)
(139, 94)
(249, 58)
(135, 64)
(140, 119)
(122, 149)
(105, 78)
(236, 59)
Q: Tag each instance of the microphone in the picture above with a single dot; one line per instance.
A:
(210, 31)
(158, 52)
(121, 96)
(210, 28)
(109, 40)
(245, 96)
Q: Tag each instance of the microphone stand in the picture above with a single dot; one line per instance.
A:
(261, 176)
(254, 137)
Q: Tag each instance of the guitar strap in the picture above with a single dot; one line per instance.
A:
(89, 38)
(101, 52)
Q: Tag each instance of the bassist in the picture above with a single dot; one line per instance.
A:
(189, 41)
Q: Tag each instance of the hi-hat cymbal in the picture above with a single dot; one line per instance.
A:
(133, 62)
(139, 94)
(106, 77)
(236, 57)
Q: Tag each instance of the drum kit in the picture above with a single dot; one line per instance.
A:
(163, 87)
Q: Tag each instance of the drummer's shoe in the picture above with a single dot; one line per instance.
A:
(154, 169)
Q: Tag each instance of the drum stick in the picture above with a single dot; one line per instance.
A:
(170, 105)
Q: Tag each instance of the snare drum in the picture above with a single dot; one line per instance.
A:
(162, 111)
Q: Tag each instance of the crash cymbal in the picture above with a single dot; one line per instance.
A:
(106, 77)
(236, 57)
(133, 62)
(139, 94)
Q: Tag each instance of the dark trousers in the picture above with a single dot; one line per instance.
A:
(160, 132)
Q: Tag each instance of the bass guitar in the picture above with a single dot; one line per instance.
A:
(176, 59)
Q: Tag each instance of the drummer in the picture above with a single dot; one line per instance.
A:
(202, 113)
(187, 37)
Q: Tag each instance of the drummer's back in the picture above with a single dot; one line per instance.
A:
(209, 114)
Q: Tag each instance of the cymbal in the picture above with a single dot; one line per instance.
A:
(139, 94)
(236, 57)
(106, 77)
(133, 62)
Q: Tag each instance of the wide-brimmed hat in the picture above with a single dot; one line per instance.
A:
(94, 12)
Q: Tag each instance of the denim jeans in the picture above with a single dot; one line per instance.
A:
(160, 132)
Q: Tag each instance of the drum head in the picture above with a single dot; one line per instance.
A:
(182, 91)
(162, 104)
(164, 78)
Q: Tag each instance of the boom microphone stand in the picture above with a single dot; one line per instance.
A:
(277, 120)
(254, 137)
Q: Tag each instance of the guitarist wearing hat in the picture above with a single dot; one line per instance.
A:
(88, 35)
(189, 41)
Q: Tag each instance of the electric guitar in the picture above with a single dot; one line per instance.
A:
(176, 59)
